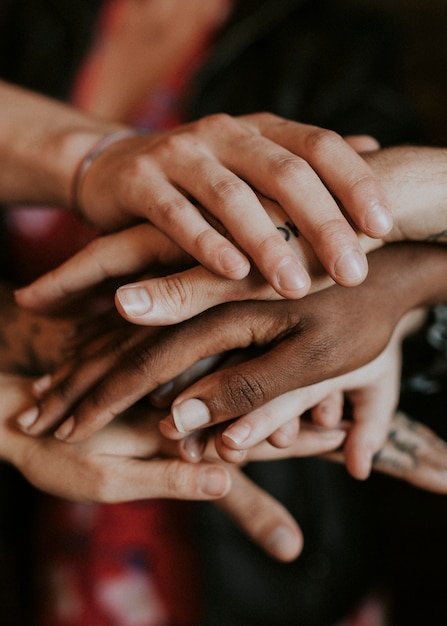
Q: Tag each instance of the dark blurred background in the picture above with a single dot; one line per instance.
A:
(423, 28)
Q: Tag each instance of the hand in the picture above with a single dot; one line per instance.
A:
(130, 460)
(171, 293)
(368, 395)
(140, 177)
(413, 179)
(275, 157)
(322, 336)
(412, 452)
(371, 391)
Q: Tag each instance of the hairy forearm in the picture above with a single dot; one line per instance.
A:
(41, 143)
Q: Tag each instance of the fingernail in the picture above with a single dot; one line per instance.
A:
(232, 261)
(134, 300)
(237, 433)
(213, 481)
(65, 429)
(42, 385)
(291, 275)
(190, 414)
(379, 220)
(283, 543)
(193, 446)
(351, 266)
(28, 418)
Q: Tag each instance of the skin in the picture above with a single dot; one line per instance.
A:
(129, 459)
(43, 143)
(414, 180)
(325, 335)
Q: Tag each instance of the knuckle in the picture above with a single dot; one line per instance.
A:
(137, 168)
(364, 182)
(173, 479)
(322, 141)
(271, 245)
(243, 392)
(228, 190)
(178, 143)
(217, 122)
(170, 210)
(119, 347)
(286, 168)
(142, 365)
(65, 392)
(138, 363)
(175, 293)
(336, 231)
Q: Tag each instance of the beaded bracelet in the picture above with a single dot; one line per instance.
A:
(94, 153)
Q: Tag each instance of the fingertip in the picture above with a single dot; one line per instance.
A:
(191, 448)
(236, 434)
(229, 455)
(292, 280)
(42, 385)
(284, 543)
(27, 419)
(168, 428)
(233, 264)
(351, 268)
(133, 301)
(214, 481)
(190, 414)
(378, 221)
(66, 429)
(359, 463)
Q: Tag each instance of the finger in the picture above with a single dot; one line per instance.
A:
(329, 411)
(373, 409)
(171, 478)
(180, 296)
(261, 423)
(343, 171)
(153, 363)
(262, 518)
(243, 388)
(285, 435)
(165, 394)
(362, 143)
(311, 441)
(222, 193)
(76, 381)
(414, 453)
(295, 185)
(118, 254)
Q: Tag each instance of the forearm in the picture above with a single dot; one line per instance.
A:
(41, 143)
(415, 182)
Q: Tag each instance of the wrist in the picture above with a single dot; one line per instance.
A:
(66, 152)
(41, 143)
